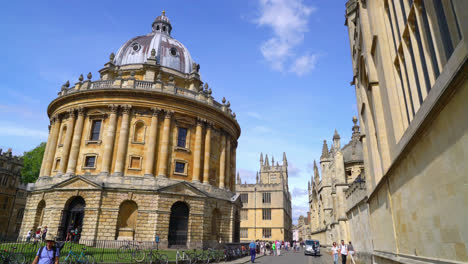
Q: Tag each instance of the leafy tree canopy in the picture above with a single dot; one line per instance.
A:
(32, 161)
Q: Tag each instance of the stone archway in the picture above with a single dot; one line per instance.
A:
(72, 218)
(127, 221)
(38, 218)
(178, 225)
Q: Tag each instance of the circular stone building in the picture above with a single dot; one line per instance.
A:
(144, 151)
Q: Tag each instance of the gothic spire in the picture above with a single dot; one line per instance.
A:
(261, 159)
(267, 163)
(325, 153)
(285, 161)
(257, 176)
(272, 161)
(316, 172)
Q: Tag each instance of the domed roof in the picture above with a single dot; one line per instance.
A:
(169, 52)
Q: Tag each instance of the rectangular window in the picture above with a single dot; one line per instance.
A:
(182, 137)
(57, 164)
(245, 197)
(244, 233)
(266, 199)
(266, 214)
(90, 161)
(266, 232)
(244, 214)
(135, 162)
(180, 167)
(95, 130)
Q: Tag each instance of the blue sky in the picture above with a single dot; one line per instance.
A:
(283, 64)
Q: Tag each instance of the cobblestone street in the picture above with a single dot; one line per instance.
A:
(299, 258)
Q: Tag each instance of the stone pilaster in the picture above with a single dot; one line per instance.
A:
(164, 152)
(123, 140)
(109, 140)
(233, 169)
(53, 146)
(222, 161)
(75, 147)
(197, 151)
(206, 165)
(228, 161)
(44, 159)
(67, 142)
(150, 151)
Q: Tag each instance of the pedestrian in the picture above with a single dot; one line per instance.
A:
(334, 252)
(262, 248)
(252, 247)
(273, 248)
(278, 248)
(343, 252)
(38, 234)
(28, 236)
(44, 233)
(48, 254)
(351, 249)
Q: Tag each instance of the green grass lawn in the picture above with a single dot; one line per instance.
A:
(100, 254)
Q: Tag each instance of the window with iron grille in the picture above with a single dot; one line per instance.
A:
(266, 214)
(244, 233)
(245, 197)
(182, 137)
(266, 198)
(266, 232)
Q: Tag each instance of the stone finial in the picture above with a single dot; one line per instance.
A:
(224, 100)
(112, 57)
(261, 158)
(206, 86)
(89, 76)
(354, 120)
(234, 115)
(257, 177)
(325, 153)
(336, 135)
(228, 104)
(80, 79)
(153, 53)
(267, 162)
(158, 77)
(209, 91)
(67, 84)
(356, 133)
(285, 160)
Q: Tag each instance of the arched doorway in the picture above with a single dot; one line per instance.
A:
(39, 215)
(178, 224)
(127, 220)
(72, 218)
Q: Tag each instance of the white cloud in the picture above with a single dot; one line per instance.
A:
(288, 19)
(293, 170)
(8, 130)
(304, 64)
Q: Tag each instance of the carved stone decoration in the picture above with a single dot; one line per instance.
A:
(111, 57)
(228, 104)
(80, 110)
(158, 77)
(224, 100)
(132, 73)
(89, 76)
(80, 79)
(169, 114)
(171, 79)
(153, 53)
(113, 108)
(126, 108)
(206, 86)
(155, 111)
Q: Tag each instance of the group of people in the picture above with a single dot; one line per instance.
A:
(39, 235)
(270, 248)
(343, 250)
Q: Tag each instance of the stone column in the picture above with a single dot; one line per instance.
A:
(206, 164)
(233, 169)
(123, 141)
(108, 141)
(150, 151)
(164, 152)
(228, 162)
(75, 147)
(197, 152)
(67, 142)
(222, 160)
(53, 146)
(44, 158)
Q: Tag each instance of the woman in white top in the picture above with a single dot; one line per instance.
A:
(334, 250)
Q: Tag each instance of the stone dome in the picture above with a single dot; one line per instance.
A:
(168, 51)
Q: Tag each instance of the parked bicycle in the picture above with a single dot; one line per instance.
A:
(83, 257)
(183, 258)
(11, 257)
(131, 250)
(157, 258)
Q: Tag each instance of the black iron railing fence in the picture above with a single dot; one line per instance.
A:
(104, 251)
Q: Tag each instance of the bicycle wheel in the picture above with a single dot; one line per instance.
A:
(122, 253)
(89, 259)
(19, 258)
(138, 255)
(69, 260)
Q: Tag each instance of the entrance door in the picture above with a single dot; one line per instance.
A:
(178, 225)
(72, 219)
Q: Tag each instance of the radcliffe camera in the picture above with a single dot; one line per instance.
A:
(263, 131)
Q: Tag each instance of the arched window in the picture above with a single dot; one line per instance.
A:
(139, 132)
(127, 221)
(164, 28)
(39, 214)
(157, 27)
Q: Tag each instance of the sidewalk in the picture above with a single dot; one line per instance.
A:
(243, 260)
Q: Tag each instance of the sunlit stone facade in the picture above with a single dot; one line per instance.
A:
(144, 151)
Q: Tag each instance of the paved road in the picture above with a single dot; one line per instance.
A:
(293, 258)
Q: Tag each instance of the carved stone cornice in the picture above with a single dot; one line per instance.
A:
(55, 118)
(126, 109)
(71, 113)
(200, 121)
(169, 114)
(113, 108)
(80, 110)
(155, 111)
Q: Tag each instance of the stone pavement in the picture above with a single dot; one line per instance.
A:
(287, 258)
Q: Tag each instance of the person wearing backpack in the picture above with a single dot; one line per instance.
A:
(343, 252)
(48, 254)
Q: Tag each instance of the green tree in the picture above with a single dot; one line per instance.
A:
(32, 161)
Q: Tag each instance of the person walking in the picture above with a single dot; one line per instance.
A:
(38, 234)
(343, 252)
(48, 254)
(273, 248)
(278, 248)
(28, 236)
(252, 247)
(334, 252)
(44, 233)
(351, 250)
